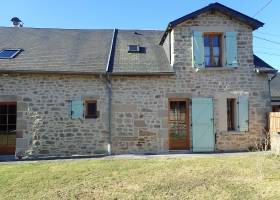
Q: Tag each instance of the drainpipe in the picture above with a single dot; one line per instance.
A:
(269, 82)
(109, 70)
(109, 89)
(269, 86)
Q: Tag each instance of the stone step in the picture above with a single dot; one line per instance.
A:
(179, 151)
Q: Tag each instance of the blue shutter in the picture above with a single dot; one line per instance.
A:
(231, 49)
(198, 50)
(77, 109)
(203, 137)
(243, 114)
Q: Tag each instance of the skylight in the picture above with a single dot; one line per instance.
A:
(9, 53)
(133, 48)
(136, 49)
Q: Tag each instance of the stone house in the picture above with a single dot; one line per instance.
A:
(193, 88)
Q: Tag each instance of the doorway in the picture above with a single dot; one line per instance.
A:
(179, 130)
(8, 118)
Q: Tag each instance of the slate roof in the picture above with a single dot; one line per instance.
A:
(82, 51)
(87, 51)
(152, 59)
(255, 24)
(262, 65)
(56, 50)
(275, 86)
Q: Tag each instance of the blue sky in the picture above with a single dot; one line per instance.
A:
(141, 14)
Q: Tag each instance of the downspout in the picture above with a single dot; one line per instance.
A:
(269, 88)
(269, 82)
(109, 90)
(109, 70)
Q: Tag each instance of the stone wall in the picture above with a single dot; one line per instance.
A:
(44, 125)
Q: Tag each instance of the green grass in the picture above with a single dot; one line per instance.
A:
(232, 177)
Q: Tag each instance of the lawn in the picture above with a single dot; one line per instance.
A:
(227, 177)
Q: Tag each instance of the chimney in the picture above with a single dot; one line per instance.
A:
(16, 22)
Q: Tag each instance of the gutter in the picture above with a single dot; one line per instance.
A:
(109, 70)
(3, 71)
(143, 74)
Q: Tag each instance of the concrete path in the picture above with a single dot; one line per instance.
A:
(12, 160)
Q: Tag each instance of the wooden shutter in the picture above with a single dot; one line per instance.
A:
(198, 50)
(231, 49)
(243, 114)
(77, 109)
(203, 137)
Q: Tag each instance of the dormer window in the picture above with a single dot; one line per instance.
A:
(9, 53)
(133, 48)
(212, 49)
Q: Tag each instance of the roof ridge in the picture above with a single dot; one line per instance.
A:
(48, 28)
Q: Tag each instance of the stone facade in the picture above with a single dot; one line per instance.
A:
(139, 104)
(149, 95)
(44, 126)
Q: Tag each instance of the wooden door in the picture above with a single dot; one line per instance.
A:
(8, 117)
(179, 137)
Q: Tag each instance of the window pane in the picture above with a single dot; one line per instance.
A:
(216, 51)
(3, 128)
(206, 51)
(206, 41)
(173, 105)
(11, 128)
(216, 41)
(216, 60)
(3, 119)
(91, 109)
(182, 107)
(12, 119)
(7, 53)
(3, 109)
(133, 48)
(12, 109)
(207, 60)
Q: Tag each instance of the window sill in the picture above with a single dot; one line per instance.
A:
(218, 69)
(91, 117)
(233, 132)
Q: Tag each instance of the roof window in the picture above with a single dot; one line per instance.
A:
(133, 48)
(9, 53)
(136, 49)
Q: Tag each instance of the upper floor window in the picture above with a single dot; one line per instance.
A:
(212, 49)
